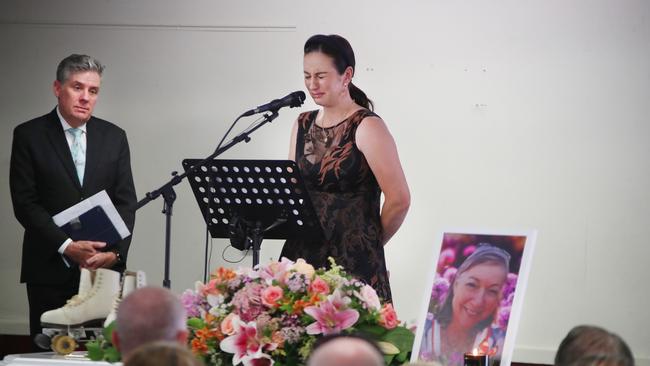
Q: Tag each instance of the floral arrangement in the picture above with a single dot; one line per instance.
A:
(274, 314)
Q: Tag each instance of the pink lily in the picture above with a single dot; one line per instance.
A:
(244, 344)
(331, 316)
(275, 270)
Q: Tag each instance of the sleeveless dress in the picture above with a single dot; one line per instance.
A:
(346, 197)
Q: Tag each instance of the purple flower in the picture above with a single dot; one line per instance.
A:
(292, 334)
(191, 302)
(450, 274)
(440, 290)
(297, 282)
(511, 284)
(503, 317)
(234, 283)
(507, 301)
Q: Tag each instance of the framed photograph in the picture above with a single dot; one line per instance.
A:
(474, 296)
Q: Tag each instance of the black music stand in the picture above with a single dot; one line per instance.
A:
(249, 200)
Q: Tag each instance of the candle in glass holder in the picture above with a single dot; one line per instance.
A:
(476, 359)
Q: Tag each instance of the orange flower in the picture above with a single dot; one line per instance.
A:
(198, 347)
(216, 333)
(299, 305)
(205, 334)
(315, 299)
(223, 274)
(210, 319)
(277, 338)
(212, 288)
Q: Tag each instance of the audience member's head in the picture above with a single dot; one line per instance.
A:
(345, 350)
(147, 315)
(162, 353)
(593, 346)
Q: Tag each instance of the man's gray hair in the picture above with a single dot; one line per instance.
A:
(149, 314)
(77, 63)
(589, 345)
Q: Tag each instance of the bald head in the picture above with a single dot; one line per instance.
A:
(346, 351)
(149, 314)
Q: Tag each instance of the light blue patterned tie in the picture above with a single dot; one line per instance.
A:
(78, 153)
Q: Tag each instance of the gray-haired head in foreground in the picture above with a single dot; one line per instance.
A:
(149, 314)
(77, 63)
(587, 345)
(162, 353)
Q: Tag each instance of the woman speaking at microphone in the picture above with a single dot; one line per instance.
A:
(348, 159)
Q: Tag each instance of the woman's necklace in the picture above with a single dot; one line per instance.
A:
(322, 134)
(325, 133)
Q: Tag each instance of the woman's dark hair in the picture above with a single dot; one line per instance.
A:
(484, 253)
(587, 345)
(339, 49)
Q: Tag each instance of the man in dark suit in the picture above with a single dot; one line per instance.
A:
(58, 160)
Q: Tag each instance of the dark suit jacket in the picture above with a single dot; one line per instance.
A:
(44, 182)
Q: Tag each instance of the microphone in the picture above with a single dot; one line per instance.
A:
(294, 99)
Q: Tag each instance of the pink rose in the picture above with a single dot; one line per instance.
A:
(319, 286)
(226, 324)
(271, 295)
(388, 317)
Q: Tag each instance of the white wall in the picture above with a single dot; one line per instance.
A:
(507, 114)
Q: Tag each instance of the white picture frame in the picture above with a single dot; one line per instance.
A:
(498, 336)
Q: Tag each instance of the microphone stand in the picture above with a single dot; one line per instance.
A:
(169, 195)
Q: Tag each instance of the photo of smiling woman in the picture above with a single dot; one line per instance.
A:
(471, 298)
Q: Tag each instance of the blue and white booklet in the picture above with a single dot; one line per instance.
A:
(94, 218)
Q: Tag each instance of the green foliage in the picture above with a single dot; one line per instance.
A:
(102, 349)
(195, 323)
(95, 351)
(403, 339)
(373, 331)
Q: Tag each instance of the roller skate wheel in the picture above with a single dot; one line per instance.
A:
(63, 344)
